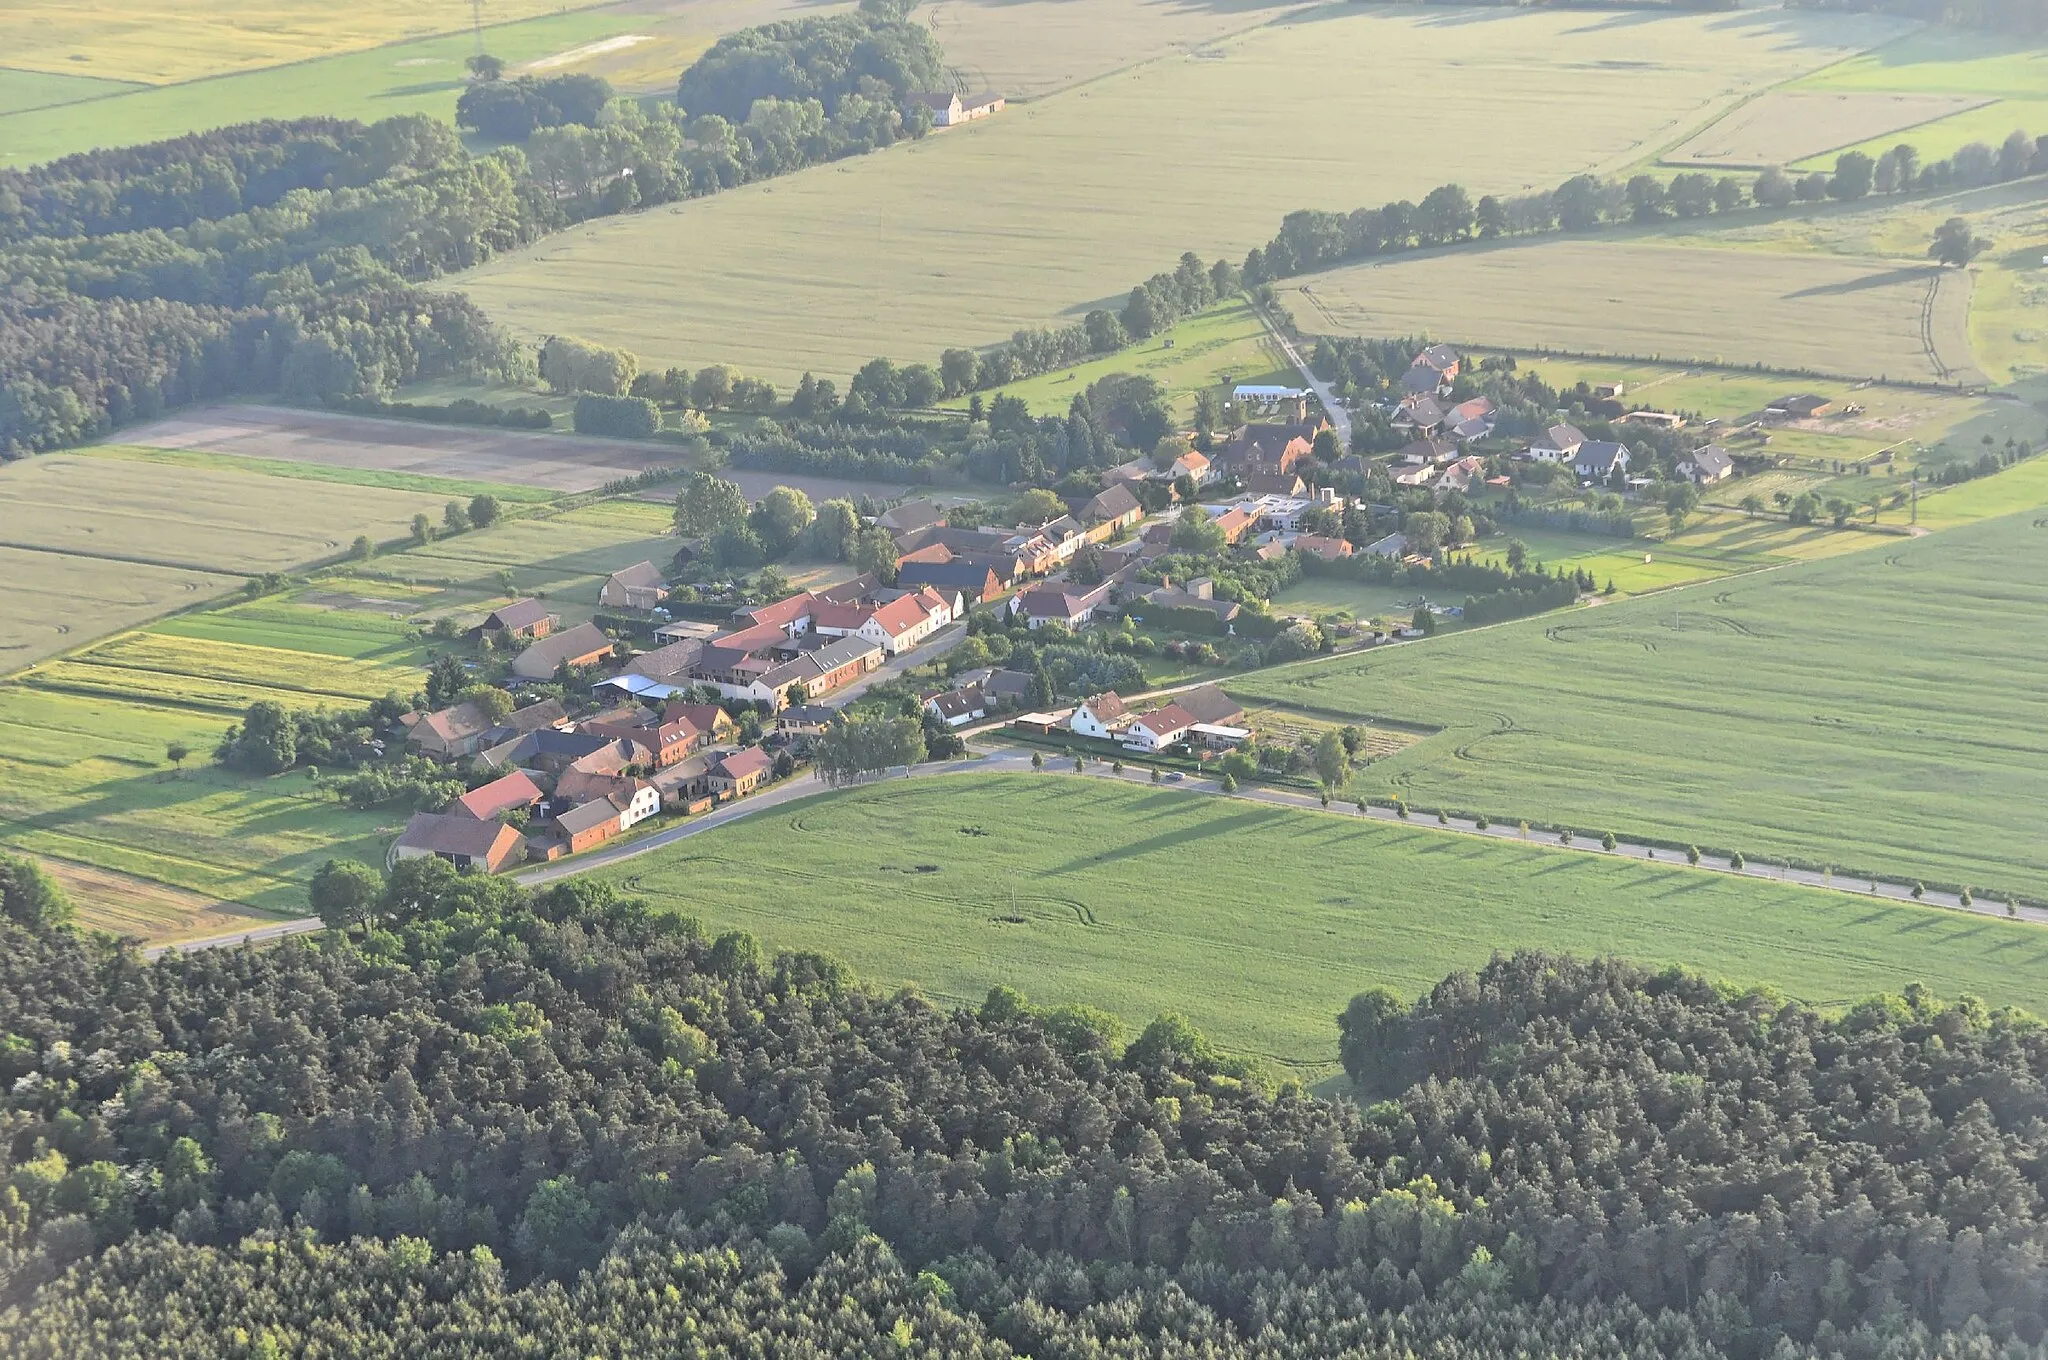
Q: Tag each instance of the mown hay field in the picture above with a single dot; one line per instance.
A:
(123, 904)
(1877, 711)
(974, 232)
(1257, 922)
(1637, 295)
(93, 544)
(1785, 126)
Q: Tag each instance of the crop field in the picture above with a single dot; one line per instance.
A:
(1636, 295)
(1785, 126)
(1228, 342)
(964, 237)
(1955, 62)
(443, 488)
(1808, 712)
(559, 559)
(90, 549)
(21, 91)
(1257, 922)
(548, 462)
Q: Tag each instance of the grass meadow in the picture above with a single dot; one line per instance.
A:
(1953, 62)
(1877, 711)
(1258, 922)
(966, 236)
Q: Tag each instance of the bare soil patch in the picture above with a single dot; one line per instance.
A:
(521, 457)
(156, 912)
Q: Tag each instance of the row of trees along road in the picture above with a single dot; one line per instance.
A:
(483, 1114)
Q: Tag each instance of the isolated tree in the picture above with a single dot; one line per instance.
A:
(1037, 760)
(1692, 854)
(707, 504)
(1955, 244)
(485, 67)
(422, 528)
(1752, 505)
(1518, 555)
(1331, 759)
(344, 893)
(483, 511)
(1607, 841)
(176, 752)
(362, 550)
(1228, 783)
(1679, 503)
(781, 518)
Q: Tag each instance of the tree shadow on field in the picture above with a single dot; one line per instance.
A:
(424, 87)
(1883, 279)
(1242, 821)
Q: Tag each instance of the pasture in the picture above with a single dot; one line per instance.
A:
(1636, 294)
(1879, 711)
(99, 543)
(966, 236)
(1259, 922)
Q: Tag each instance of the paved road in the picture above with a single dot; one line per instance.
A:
(260, 935)
(1340, 419)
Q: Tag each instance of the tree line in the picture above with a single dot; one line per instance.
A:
(590, 1119)
(1311, 239)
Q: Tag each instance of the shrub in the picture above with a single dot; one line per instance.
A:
(1692, 854)
(1229, 783)
(1919, 891)
(1607, 841)
(1736, 861)
(1564, 838)
(1400, 808)
(619, 417)
(1965, 898)
(1481, 822)
(1442, 818)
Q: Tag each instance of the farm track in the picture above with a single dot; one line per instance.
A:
(126, 559)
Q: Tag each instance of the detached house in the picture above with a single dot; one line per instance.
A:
(1706, 466)
(1156, 731)
(1100, 715)
(956, 707)
(452, 733)
(507, 793)
(1110, 511)
(740, 773)
(1059, 602)
(1600, 459)
(1558, 444)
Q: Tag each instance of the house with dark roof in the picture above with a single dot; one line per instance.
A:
(956, 707)
(1800, 406)
(583, 645)
(504, 794)
(1558, 444)
(521, 619)
(638, 587)
(1273, 484)
(1059, 602)
(1199, 594)
(1270, 448)
(1320, 546)
(1423, 414)
(547, 750)
(1706, 466)
(997, 686)
(1600, 459)
(463, 841)
(806, 720)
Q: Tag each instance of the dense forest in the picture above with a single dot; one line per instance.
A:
(498, 1124)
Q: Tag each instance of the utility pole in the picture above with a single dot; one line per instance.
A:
(476, 17)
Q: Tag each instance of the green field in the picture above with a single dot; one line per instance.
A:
(1226, 342)
(100, 543)
(1880, 710)
(1259, 922)
(966, 236)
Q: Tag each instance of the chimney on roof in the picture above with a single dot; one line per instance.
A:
(1202, 588)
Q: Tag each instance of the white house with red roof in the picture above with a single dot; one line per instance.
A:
(1161, 728)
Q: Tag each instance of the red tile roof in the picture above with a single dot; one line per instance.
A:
(514, 790)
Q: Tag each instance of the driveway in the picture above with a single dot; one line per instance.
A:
(1340, 419)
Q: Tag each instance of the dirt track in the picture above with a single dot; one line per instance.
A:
(557, 462)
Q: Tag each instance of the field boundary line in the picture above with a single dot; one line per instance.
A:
(128, 559)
